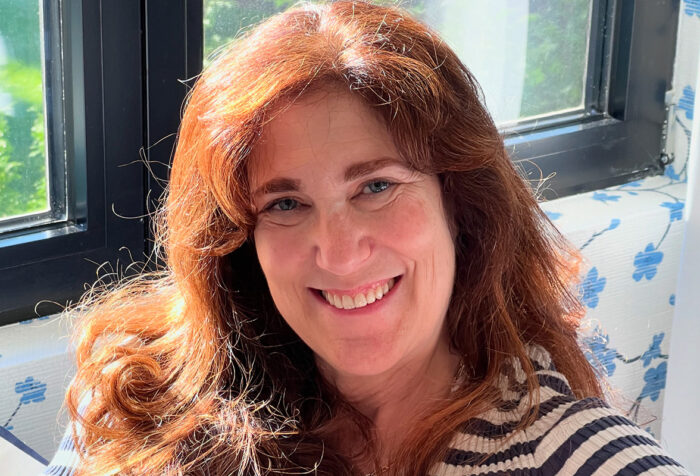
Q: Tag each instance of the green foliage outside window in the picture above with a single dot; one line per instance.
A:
(557, 37)
(23, 187)
(224, 19)
(555, 53)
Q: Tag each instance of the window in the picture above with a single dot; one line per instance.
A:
(530, 57)
(63, 211)
(619, 134)
(577, 87)
(579, 93)
(24, 185)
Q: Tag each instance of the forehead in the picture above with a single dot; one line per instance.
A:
(328, 127)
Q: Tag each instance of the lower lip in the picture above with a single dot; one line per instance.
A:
(369, 308)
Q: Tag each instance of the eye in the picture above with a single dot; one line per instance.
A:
(284, 205)
(376, 186)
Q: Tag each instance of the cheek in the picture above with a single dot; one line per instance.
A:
(419, 229)
(280, 256)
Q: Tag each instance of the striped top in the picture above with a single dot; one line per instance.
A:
(569, 437)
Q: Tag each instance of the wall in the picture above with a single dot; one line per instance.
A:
(631, 236)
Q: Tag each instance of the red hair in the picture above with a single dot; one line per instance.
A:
(192, 370)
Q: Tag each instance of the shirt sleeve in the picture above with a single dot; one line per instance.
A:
(65, 461)
(588, 437)
(67, 458)
(592, 438)
(568, 437)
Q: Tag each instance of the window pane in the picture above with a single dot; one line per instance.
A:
(223, 19)
(23, 161)
(530, 57)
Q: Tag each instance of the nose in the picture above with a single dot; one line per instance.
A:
(341, 243)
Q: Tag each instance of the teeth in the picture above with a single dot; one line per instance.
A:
(361, 299)
(371, 297)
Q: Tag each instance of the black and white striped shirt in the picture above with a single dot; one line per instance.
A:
(570, 437)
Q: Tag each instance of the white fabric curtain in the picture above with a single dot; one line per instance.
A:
(681, 415)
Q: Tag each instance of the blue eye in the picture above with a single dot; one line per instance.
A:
(285, 204)
(376, 187)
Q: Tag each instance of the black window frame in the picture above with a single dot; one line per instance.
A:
(621, 135)
(139, 58)
(42, 268)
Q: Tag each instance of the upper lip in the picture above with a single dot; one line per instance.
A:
(358, 289)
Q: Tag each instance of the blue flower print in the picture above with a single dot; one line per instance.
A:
(553, 215)
(604, 197)
(591, 286)
(670, 172)
(646, 262)
(655, 379)
(654, 350)
(676, 209)
(31, 390)
(614, 223)
(672, 300)
(29, 321)
(602, 355)
(692, 7)
(636, 183)
(687, 102)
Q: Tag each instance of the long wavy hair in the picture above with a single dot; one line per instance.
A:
(192, 370)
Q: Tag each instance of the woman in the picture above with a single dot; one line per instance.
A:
(357, 282)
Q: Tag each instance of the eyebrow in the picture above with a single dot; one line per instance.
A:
(278, 185)
(353, 172)
(361, 169)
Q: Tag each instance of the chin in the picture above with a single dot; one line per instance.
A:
(363, 360)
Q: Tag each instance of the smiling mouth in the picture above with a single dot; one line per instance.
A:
(360, 299)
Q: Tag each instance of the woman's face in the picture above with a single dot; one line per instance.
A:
(354, 245)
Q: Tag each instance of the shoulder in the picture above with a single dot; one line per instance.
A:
(569, 435)
(67, 457)
(65, 460)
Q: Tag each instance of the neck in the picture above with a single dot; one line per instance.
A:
(394, 399)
